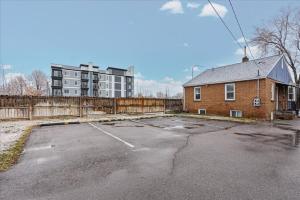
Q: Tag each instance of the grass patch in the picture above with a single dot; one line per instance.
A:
(9, 157)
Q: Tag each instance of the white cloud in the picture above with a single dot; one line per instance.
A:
(6, 66)
(192, 5)
(12, 75)
(254, 49)
(196, 69)
(242, 41)
(208, 10)
(185, 44)
(138, 75)
(188, 77)
(174, 7)
(150, 86)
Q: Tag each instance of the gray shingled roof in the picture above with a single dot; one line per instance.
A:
(235, 72)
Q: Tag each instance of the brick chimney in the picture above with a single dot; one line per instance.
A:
(245, 58)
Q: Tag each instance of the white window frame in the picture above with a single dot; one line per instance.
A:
(197, 93)
(293, 99)
(273, 92)
(226, 99)
(236, 111)
(202, 109)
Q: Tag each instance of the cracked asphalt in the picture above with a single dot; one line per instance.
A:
(160, 158)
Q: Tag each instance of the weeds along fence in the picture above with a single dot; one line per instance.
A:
(34, 107)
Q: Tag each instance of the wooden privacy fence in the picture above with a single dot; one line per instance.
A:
(32, 107)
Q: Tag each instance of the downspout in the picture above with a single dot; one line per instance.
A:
(257, 85)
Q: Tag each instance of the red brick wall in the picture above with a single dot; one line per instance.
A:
(213, 99)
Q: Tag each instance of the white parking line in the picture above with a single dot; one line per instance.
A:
(111, 135)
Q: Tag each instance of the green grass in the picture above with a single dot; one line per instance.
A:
(9, 157)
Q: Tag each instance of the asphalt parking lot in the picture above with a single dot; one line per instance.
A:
(160, 158)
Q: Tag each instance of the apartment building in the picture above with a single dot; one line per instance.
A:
(90, 80)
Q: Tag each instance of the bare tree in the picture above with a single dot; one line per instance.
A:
(282, 36)
(39, 83)
(160, 95)
(20, 85)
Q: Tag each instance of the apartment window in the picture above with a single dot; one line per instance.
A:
(230, 92)
(273, 92)
(129, 87)
(57, 73)
(129, 94)
(56, 82)
(65, 72)
(118, 79)
(129, 80)
(291, 93)
(66, 82)
(75, 83)
(56, 92)
(75, 91)
(75, 74)
(197, 93)
(66, 91)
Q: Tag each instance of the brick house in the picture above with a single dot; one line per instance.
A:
(252, 89)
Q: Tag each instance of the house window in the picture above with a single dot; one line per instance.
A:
(75, 91)
(291, 93)
(273, 92)
(230, 92)
(235, 113)
(75, 82)
(75, 73)
(197, 93)
(66, 82)
(66, 91)
(202, 111)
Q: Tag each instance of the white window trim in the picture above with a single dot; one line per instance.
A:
(273, 92)
(202, 109)
(195, 94)
(236, 111)
(233, 92)
(290, 93)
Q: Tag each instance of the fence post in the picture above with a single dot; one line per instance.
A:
(143, 105)
(115, 106)
(164, 106)
(80, 107)
(30, 109)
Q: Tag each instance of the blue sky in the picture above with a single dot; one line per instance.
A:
(161, 39)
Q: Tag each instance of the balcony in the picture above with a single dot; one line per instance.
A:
(95, 86)
(84, 86)
(95, 78)
(85, 76)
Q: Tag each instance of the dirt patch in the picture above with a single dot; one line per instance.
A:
(11, 155)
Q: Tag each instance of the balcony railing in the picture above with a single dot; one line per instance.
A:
(95, 86)
(84, 86)
(95, 78)
(84, 76)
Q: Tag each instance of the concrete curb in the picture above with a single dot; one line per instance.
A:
(218, 118)
(103, 120)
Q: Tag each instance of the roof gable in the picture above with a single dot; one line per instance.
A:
(236, 72)
(281, 72)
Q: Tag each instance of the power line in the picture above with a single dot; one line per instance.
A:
(240, 27)
(232, 35)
